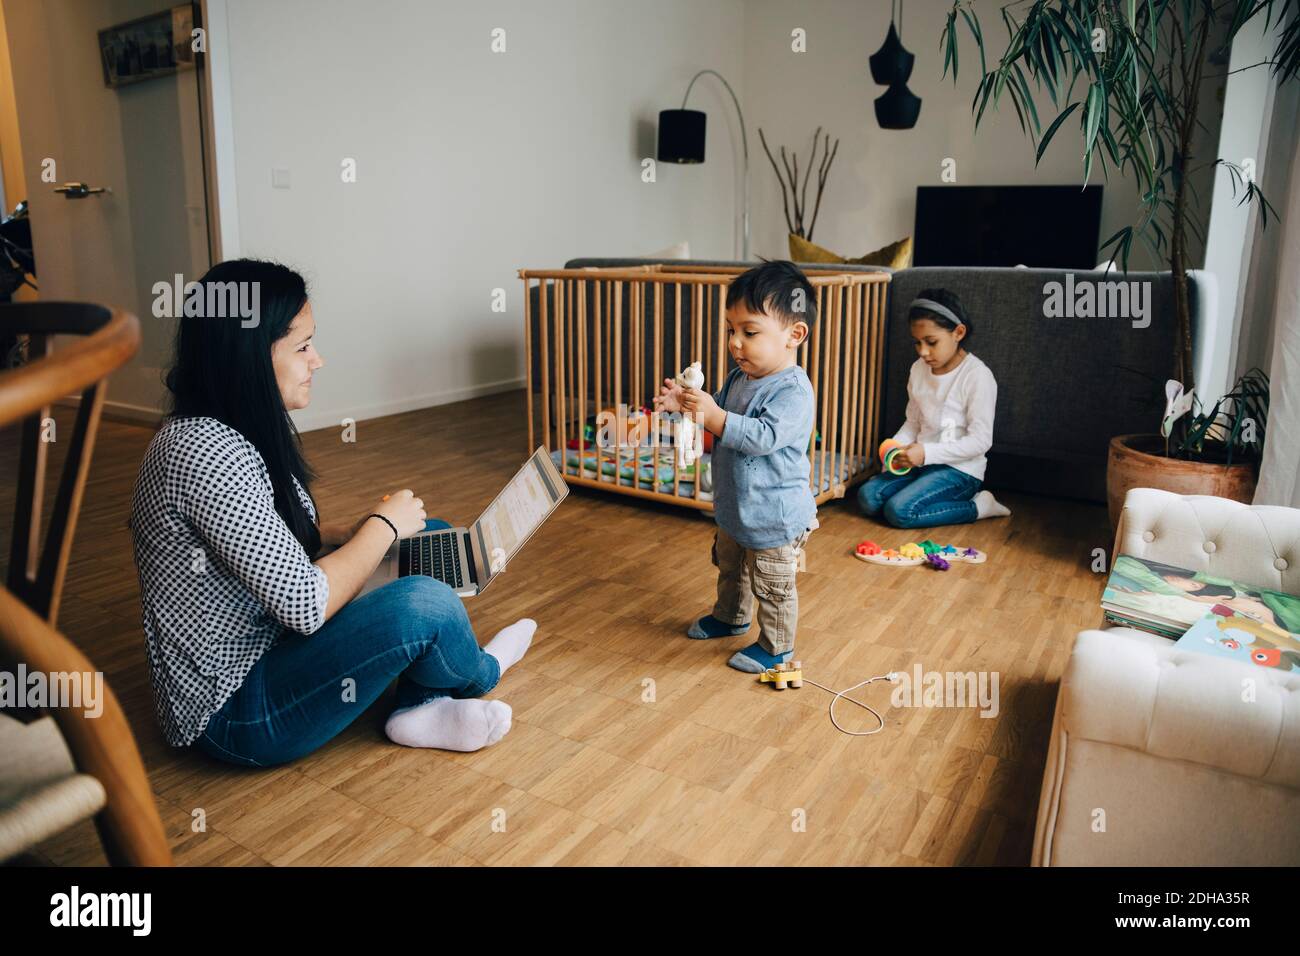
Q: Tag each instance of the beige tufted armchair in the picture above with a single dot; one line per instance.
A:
(1163, 757)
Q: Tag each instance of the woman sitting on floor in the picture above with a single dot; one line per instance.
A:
(259, 649)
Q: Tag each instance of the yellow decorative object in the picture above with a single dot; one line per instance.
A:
(911, 550)
(896, 255)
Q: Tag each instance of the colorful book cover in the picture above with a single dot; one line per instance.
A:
(1168, 600)
(1228, 633)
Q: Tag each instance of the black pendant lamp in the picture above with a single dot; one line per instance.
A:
(891, 66)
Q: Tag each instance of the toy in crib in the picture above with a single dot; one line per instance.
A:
(688, 431)
(789, 673)
(939, 557)
(889, 450)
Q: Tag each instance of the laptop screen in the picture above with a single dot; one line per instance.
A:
(518, 511)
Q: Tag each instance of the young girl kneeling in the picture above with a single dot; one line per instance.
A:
(951, 398)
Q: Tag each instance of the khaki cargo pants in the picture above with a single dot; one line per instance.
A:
(766, 574)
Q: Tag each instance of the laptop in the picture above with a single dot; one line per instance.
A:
(469, 559)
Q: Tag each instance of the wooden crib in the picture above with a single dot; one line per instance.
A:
(600, 342)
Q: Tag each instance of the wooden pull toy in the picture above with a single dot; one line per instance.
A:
(783, 675)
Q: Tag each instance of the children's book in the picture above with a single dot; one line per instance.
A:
(1224, 632)
(1167, 600)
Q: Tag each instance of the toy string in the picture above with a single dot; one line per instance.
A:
(845, 695)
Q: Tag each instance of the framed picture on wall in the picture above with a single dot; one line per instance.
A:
(152, 46)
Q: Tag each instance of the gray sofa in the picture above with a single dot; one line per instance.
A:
(1065, 385)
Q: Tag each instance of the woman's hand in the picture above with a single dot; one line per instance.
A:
(706, 411)
(913, 455)
(669, 398)
(404, 510)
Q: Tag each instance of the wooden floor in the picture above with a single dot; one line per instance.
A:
(715, 770)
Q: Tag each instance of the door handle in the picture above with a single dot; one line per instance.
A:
(79, 190)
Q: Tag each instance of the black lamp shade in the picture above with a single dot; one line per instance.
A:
(898, 107)
(891, 63)
(681, 136)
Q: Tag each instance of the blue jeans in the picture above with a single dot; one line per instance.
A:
(925, 497)
(304, 690)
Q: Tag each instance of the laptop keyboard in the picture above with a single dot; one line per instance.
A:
(435, 555)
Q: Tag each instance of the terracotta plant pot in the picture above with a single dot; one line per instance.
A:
(1137, 461)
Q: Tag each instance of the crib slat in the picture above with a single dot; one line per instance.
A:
(582, 375)
(720, 346)
(528, 361)
(854, 292)
(544, 327)
(561, 343)
(618, 376)
(814, 359)
(833, 385)
(596, 323)
(878, 291)
(869, 407)
(677, 365)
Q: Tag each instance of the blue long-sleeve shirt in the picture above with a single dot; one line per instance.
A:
(761, 492)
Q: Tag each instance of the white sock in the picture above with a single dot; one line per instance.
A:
(986, 506)
(511, 642)
(449, 724)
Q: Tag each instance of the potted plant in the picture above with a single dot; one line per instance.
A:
(1132, 71)
(1216, 452)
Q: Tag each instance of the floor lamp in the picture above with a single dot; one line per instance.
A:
(681, 140)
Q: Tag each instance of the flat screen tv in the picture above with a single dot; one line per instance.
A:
(1052, 227)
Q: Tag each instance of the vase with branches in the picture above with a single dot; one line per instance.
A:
(794, 198)
(1131, 72)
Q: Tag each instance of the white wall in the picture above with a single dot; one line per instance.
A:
(870, 198)
(1234, 228)
(471, 165)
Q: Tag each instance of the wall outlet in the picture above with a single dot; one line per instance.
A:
(280, 178)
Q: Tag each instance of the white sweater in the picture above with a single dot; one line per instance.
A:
(951, 414)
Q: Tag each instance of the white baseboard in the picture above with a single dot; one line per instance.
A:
(310, 419)
(119, 411)
(313, 420)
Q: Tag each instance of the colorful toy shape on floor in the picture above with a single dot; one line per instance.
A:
(789, 673)
(889, 450)
(939, 557)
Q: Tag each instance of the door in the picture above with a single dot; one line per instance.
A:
(108, 95)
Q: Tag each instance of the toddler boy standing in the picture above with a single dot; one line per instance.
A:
(762, 418)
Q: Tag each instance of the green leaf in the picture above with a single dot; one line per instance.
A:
(1051, 130)
(974, 24)
(1028, 99)
(950, 46)
(1092, 121)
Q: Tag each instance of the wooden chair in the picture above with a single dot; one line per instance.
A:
(109, 339)
(68, 766)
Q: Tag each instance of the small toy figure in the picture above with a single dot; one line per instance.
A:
(688, 433)
(790, 673)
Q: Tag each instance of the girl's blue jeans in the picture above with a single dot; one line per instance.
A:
(925, 497)
(304, 690)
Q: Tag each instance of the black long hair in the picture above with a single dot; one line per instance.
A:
(223, 370)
